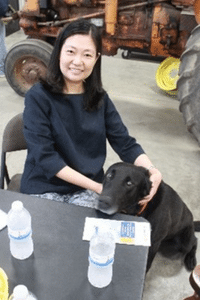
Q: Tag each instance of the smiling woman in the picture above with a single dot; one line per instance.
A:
(68, 119)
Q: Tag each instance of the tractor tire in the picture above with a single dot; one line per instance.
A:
(25, 63)
(189, 83)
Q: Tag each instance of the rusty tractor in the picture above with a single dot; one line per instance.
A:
(166, 28)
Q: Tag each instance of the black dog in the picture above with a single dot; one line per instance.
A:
(171, 221)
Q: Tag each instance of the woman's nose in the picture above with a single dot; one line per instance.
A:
(77, 59)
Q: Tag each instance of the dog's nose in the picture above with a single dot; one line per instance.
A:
(104, 203)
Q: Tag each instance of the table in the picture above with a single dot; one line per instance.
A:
(58, 268)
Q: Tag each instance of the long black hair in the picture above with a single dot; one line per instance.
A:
(54, 80)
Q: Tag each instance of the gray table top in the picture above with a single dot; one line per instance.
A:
(58, 267)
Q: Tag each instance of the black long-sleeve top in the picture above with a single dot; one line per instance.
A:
(60, 132)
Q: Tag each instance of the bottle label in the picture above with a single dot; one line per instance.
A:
(101, 265)
(127, 232)
(19, 234)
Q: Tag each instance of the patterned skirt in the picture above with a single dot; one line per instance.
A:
(85, 198)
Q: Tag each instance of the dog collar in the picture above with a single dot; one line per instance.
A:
(143, 207)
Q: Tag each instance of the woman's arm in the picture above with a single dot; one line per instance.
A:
(127, 147)
(71, 176)
(155, 176)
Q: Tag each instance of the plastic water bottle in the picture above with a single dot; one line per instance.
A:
(21, 292)
(19, 231)
(101, 258)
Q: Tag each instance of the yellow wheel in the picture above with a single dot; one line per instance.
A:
(3, 285)
(167, 75)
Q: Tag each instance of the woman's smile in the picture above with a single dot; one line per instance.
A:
(75, 70)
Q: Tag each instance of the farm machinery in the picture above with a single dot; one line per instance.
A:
(165, 28)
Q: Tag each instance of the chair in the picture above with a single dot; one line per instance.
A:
(13, 140)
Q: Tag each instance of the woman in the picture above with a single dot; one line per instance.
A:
(67, 119)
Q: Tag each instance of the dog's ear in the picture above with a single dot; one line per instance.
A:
(146, 184)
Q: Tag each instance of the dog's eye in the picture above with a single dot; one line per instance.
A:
(109, 175)
(129, 183)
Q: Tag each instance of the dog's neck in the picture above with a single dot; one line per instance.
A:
(142, 209)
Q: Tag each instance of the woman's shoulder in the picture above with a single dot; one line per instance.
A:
(36, 88)
(105, 99)
(39, 92)
(38, 96)
(34, 93)
(108, 103)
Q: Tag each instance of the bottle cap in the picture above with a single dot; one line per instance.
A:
(17, 205)
(20, 292)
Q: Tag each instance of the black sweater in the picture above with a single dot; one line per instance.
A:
(60, 132)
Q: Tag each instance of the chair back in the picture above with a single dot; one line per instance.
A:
(13, 140)
(13, 137)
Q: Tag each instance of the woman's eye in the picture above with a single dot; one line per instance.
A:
(70, 51)
(88, 55)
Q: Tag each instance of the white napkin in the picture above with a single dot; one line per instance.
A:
(3, 219)
(130, 233)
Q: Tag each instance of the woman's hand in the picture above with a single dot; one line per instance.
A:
(155, 176)
(99, 188)
(156, 179)
(70, 175)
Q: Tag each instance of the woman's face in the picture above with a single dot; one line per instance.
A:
(77, 59)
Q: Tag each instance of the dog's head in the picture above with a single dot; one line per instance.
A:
(124, 186)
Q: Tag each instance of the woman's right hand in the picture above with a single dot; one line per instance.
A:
(70, 175)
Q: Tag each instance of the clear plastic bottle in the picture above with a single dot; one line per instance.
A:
(101, 258)
(21, 292)
(19, 231)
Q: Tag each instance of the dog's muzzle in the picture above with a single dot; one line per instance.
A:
(105, 204)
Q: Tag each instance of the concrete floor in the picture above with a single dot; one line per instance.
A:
(154, 119)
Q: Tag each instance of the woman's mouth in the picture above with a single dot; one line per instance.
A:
(76, 71)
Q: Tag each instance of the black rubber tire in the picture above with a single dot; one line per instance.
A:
(25, 62)
(126, 54)
(189, 84)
